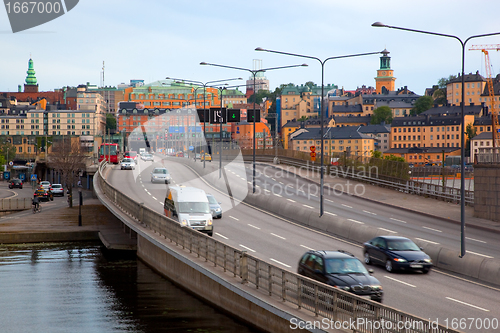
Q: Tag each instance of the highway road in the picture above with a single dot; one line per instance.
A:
(436, 296)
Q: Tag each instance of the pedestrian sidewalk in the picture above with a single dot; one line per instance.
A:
(425, 206)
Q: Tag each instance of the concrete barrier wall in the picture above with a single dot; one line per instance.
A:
(15, 204)
(214, 288)
(482, 268)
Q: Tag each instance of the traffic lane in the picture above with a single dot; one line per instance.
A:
(415, 292)
(270, 238)
(394, 220)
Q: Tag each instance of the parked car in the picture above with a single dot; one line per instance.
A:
(130, 154)
(214, 207)
(127, 163)
(45, 184)
(43, 195)
(160, 175)
(57, 189)
(342, 270)
(206, 157)
(16, 183)
(396, 253)
(147, 157)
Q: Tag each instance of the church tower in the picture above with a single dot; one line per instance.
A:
(30, 86)
(385, 81)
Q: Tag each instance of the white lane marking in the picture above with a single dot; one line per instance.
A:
(291, 200)
(249, 249)
(479, 254)
(355, 221)
(282, 183)
(346, 206)
(313, 195)
(273, 179)
(154, 198)
(405, 283)
(329, 200)
(305, 247)
(161, 203)
(254, 227)
(394, 232)
(397, 220)
(436, 230)
(221, 235)
(249, 183)
(308, 206)
(330, 214)
(367, 212)
(277, 236)
(425, 240)
(143, 185)
(278, 195)
(234, 218)
(475, 240)
(279, 262)
(473, 306)
(266, 190)
(149, 193)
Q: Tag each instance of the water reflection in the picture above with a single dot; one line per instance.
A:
(74, 287)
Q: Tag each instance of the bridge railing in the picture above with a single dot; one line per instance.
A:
(342, 310)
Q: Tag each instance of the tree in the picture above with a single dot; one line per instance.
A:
(303, 118)
(422, 104)
(380, 114)
(110, 122)
(68, 159)
(7, 148)
(470, 132)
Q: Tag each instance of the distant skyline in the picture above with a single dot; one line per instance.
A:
(158, 38)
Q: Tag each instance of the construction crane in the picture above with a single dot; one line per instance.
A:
(489, 82)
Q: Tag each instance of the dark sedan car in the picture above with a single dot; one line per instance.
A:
(43, 195)
(396, 253)
(342, 270)
(16, 183)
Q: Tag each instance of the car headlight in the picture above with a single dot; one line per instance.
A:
(209, 222)
(399, 259)
(218, 210)
(184, 222)
(428, 260)
(376, 287)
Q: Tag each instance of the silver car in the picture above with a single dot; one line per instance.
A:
(160, 175)
(127, 163)
(214, 207)
(58, 189)
(147, 157)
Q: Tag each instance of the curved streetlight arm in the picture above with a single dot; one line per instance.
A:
(250, 70)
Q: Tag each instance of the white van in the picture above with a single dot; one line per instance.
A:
(190, 206)
(142, 151)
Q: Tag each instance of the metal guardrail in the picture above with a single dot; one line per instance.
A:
(444, 193)
(340, 309)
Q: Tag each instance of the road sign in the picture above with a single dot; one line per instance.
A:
(11, 163)
(313, 154)
(33, 178)
(312, 148)
(201, 115)
(217, 115)
(191, 148)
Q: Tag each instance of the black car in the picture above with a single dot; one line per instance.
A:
(16, 183)
(342, 270)
(43, 195)
(396, 253)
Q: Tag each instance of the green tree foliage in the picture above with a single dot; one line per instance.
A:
(303, 118)
(422, 104)
(470, 132)
(7, 148)
(380, 114)
(110, 122)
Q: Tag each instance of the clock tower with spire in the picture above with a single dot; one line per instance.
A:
(385, 81)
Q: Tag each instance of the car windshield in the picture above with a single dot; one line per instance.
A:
(127, 160)
(56, 186)
(160, 171)
(345, 266)
(402, 245)
(211, 200)
(193, 207)
(44, 183)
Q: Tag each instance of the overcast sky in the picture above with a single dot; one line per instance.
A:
(153, 39)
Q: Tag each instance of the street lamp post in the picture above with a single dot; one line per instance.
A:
(462, 141)
(322, 62)
(204, 85)
(254, 73)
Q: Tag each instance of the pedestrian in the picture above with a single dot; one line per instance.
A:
(79, 183)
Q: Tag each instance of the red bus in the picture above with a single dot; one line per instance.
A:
(110, 152)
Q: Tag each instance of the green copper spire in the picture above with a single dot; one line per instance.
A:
(31, 79)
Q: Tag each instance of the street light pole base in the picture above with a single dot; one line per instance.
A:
(276, 160)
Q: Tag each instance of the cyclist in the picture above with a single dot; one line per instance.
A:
(36, 202)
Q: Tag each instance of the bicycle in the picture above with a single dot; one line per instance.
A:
(37, 208)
